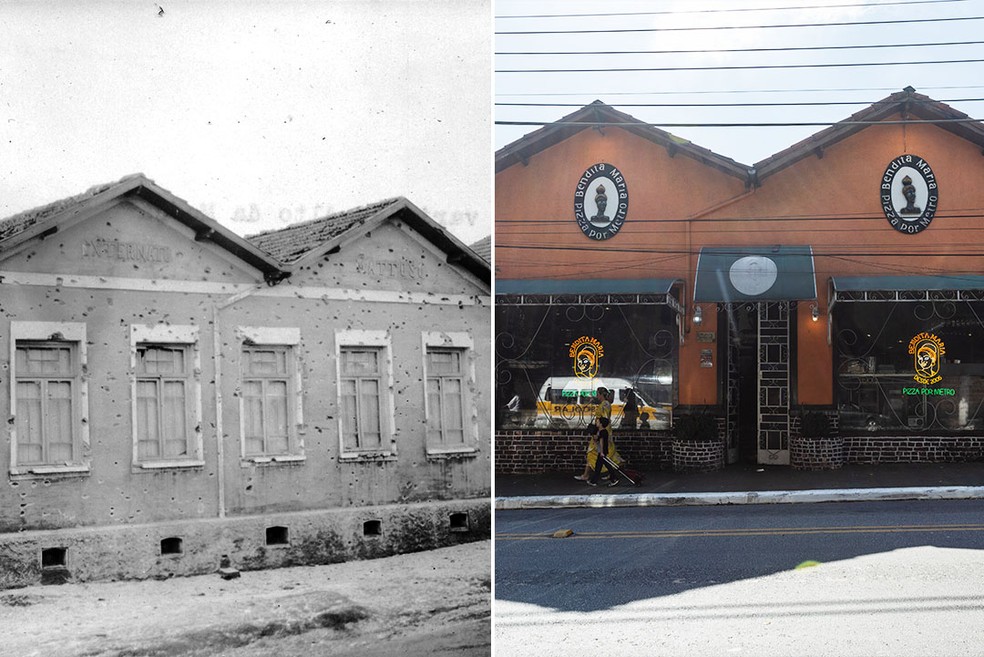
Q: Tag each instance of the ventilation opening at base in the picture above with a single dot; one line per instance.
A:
(459, 522)
(171, 545)
(277, 536)
(56, 557)
(372, 528)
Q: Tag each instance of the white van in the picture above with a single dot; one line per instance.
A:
(568, 402)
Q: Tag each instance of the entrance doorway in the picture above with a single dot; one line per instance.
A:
(758, 382)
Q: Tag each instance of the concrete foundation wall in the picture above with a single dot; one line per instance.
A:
(304, 538)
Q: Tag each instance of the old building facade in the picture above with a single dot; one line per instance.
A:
(176, 392)
(838, 278)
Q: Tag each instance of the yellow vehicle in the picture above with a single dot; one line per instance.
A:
(567, 402)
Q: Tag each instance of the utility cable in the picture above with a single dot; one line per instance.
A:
(731, 10)
(745, 67)
(832, 103)
(728, 92)
(740, 50)
(592, 124)
(625, 30)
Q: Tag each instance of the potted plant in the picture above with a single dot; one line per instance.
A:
(814, 447)
(697, 445)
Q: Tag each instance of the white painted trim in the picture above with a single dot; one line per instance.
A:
(454, 340)
(184, 334)
(269, 335)
(275, 337)
(164, 333)
(72, 332)
(164, 465)
(367, 338)
(282, 291)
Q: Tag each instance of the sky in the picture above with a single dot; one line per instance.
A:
(860, 86)
(260, 114)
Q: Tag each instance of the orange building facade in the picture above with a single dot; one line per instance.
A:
(841, 277)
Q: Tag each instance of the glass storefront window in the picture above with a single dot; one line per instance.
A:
(551, 360)
(909, 366)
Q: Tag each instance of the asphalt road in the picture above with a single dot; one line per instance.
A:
(899, 578)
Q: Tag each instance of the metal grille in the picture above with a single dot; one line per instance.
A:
(773, 383)
(733, 389)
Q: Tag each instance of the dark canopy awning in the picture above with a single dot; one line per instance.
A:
(584, 286)
(907, 288)
(587, 290)
(755, 273)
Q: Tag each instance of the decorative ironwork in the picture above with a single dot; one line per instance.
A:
(521, 367)
(875, 393)
(773, 382)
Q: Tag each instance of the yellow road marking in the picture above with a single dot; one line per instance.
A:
(757, 531)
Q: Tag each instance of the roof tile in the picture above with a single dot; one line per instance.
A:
(21, 221)
(288, 245)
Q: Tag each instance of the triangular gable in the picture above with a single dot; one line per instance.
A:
(303, 243)
(40, 222)
(599, 115)
(906, 103)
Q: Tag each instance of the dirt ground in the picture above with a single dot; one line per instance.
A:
(427, 603)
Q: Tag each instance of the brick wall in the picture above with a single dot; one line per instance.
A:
(691, 456)
(531, 452)
(913, 449)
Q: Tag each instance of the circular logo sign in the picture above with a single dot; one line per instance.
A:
(909, 194)
(601, 201)
(753, 275)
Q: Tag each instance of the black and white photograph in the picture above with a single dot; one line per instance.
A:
(245, 315)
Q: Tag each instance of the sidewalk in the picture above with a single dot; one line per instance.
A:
(748, 484)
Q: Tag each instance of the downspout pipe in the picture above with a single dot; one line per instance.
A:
(217, 360)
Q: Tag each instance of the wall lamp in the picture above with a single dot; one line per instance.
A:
(698, 315)
(814, 311)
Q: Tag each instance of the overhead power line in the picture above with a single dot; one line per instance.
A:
(731, 10)
(738, 251)
(743, 27)
(750, 67)
(787, 104)
(792, 124)
(966, 213)
(708, 51)
(694, 92)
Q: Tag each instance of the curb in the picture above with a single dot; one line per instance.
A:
(744, 497)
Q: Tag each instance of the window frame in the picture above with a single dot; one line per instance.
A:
(288, 339)
(462, 343)
(170, 336)
(380, 341)
(72, 334)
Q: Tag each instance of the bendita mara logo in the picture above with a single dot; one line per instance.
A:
(587, 353)
(927, 352)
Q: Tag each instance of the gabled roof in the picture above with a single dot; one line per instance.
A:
(47, 219)
(907, 103)
(483, 248)
(301, 243)
(290, 244)
(599, 115)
